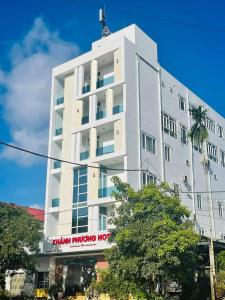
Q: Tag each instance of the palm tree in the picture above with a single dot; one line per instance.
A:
(198, 132)
(199, 136)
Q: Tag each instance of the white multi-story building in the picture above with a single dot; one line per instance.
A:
(115, 109)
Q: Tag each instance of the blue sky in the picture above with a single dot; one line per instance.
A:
(38, 34)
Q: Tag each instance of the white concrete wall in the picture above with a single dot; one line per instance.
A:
(144, 98)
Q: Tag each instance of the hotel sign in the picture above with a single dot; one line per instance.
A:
(78, 242)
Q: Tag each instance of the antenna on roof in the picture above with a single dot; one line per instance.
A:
(102, 21)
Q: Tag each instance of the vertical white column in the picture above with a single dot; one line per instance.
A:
(80, 80)
(52, 271)
(109, 102)
(76, 83)
(93, 142)
(94, 73)
(77, 146)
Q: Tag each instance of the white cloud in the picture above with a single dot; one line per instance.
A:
(36, 205)
(26, 99)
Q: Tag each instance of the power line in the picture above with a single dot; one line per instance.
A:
(199, 26)
(67, 161)
(98, 167)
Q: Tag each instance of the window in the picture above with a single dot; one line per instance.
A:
(148, 143)
(80, 220)
(183, 134)
(80, 185)
(212, 151)
(199, 201)
(169, 125)
(201, 231)
(220, 209)
(222, 158)
(210, 124)
(80, 209)
(162, 83)
(102, 223)
(167, 153)
(148, 178)
(220, 131)
(182, 103)
(197, 147)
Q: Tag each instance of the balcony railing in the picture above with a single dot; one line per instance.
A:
(105, 150)
(117, 109)
(84, 155)
(106, 192)
(85, 120)
(55, 202)
(100, 114)
(58, 131)
(105, 81)
(59, 100)
(57, 164)
(85, 89)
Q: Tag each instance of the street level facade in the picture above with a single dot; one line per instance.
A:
(116, 111)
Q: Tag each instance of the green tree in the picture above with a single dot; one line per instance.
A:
(220, 275)
(19, 240)
(153, 241)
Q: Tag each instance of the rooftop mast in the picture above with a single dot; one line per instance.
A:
(102, 21)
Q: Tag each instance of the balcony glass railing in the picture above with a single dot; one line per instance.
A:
(84, 155)
(105, 81)
(117, 109)
(100, 114)
(85, 120)
(105, 150)
(58, 131)
(55, 202)
(57, 164)
(85, 89)
(59, 100)
(106, 192)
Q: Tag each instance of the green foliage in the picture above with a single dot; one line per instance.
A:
(220, 276)
(4, 295)
(152, 240)
(198, 132)
(220, 285)
(19, 239)
(220, 261)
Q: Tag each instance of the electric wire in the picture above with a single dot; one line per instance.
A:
(98, 167)
(199, 26)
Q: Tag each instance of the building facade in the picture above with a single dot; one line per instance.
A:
(115, 109)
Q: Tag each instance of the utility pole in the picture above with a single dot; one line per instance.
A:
(211, 229)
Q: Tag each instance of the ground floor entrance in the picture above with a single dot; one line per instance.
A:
(75, 273)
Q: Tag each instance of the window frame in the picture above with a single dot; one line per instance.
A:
(169, 125)
(182, 99)
(167, 154)
(199, 201)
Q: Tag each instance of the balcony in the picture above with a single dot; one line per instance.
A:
(85, 120)
(117, 109)
(100, 115)
(105, 81)
(57, 164)
(85, 89)
(58, 131)
(59, 100)
(106, 192)
(84, 155)
(55, 202)
(105, 150)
